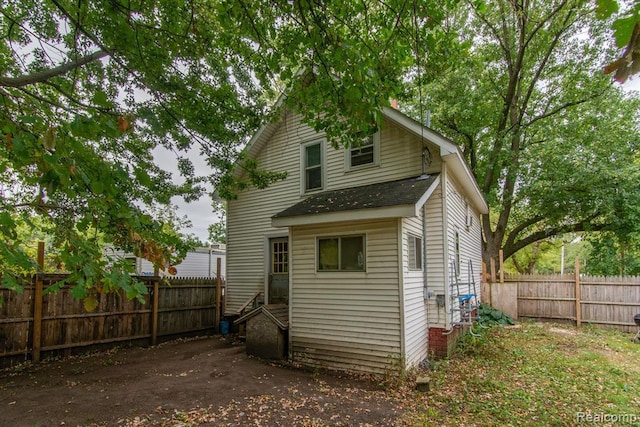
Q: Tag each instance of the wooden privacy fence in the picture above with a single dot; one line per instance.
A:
(32, 323)
(607, 301)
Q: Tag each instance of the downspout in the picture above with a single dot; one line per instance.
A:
(403, 319)
(445, 245)
(424, 233)
(424, 254)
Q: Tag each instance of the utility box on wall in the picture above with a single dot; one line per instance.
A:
(267, 330)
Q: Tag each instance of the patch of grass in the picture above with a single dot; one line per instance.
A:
(531, 375)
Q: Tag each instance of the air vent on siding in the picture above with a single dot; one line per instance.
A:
(469, 216)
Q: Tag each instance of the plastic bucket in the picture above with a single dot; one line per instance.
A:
(224, 327)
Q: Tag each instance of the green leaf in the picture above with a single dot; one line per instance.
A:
(31, 120)
(623, 28)
(100, 98)
(90, 303)
(79, 291)
(143, 177)
(97, 187)
(606, 8)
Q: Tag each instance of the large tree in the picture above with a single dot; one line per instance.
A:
(550, 140)
(90, 89)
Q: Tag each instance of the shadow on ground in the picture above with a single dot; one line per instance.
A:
(203, 381)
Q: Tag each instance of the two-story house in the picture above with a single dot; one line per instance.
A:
(367, 245)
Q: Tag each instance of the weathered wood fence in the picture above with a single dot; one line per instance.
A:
(33, 323)
(606, 301)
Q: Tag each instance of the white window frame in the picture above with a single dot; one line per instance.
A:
(413, 243)
(376, 155)
(303, 166)
(340, 237)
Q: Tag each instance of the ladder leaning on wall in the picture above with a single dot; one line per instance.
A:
(464, 298)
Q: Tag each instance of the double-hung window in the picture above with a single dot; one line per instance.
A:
(366, 153)
(312, 165)
(344, 253)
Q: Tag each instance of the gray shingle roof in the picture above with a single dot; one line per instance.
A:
(384, 194)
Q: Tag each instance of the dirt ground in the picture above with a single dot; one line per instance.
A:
(203, 381)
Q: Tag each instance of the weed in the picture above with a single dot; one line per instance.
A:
(538, 374)
(395, 374)
(492, 316)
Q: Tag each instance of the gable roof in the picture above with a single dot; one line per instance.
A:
(449, 151)
(277, 313)
(402, 198)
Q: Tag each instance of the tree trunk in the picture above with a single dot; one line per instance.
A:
(492, 241)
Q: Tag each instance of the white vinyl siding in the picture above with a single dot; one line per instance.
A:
(199, 262)
(435, 257)
(249, 216)
(469, 240)
(346, 320)
(400, 157)
(420, 314)
(416, 332)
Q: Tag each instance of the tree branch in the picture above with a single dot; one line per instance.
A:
(542, 65)
(80, 103)
(544, 20)
(43, 76)
(495, 33)
(514, 233)
(565, 106)
(552, 231)
(469, 146)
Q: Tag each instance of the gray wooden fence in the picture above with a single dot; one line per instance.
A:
(32, 323)
(606, 301)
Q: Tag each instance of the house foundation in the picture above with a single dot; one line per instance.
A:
(442, 343)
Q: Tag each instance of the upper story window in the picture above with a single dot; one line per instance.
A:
(312, 165)
(366, 154)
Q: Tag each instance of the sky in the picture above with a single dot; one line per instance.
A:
(633, 83)
(198, 212)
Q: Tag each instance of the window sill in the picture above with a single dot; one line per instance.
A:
(361, 167)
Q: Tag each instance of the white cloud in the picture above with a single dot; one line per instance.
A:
(199, 212)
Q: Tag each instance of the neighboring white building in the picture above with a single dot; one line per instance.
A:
(200, 262)
(368, 245)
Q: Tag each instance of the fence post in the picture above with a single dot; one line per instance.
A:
(486, 286)
(218, 293)
(154, 308)
(493, 270)
(37, 307)
(577, 293)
